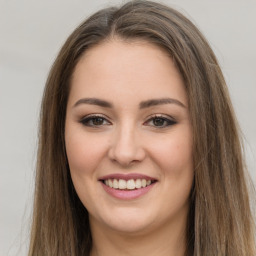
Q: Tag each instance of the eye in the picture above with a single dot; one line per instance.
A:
(160, 121)
(94, 121)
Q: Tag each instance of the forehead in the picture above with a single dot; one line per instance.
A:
(119, 68)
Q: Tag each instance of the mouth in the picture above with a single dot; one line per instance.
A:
(127, 186)
(130, 184)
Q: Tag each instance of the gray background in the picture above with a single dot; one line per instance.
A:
(31, 33)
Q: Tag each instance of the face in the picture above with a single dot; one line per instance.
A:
(128, 138)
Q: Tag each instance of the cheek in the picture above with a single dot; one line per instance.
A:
(174, 154)
(83, 152)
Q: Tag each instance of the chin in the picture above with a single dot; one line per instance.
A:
(127, 220)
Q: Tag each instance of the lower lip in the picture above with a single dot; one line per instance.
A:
(127, 194)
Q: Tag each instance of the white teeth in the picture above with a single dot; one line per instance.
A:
(110, 183)
(115, 183)
(129, 184)
(138, 183)
(122, 184)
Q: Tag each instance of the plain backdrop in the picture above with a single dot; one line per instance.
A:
(31, 33)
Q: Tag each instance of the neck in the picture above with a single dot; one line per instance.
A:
(168, 240)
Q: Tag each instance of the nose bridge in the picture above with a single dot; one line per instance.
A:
(126, 145)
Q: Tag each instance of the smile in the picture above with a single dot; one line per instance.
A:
(130, 184)
(127, 186)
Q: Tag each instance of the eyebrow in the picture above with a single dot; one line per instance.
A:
(142, 105)
(155, 102)
(94, 101)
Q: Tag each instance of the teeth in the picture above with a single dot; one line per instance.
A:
(122, 184)
(129, 184)
(138, 183)
(115, 183)
(110, 183)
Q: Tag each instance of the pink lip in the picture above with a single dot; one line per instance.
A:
(126, 176)
(127, 194)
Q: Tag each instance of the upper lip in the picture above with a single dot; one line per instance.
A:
(127, 176)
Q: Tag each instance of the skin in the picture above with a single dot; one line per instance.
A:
(127, 140)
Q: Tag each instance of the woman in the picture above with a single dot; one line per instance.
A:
(139, 150)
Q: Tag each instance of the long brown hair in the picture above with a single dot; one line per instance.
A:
(220, 221)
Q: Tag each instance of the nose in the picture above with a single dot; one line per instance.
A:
(126, 147)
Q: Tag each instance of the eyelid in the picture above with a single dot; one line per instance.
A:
(166, 118)
(91, 116)
(169, 121)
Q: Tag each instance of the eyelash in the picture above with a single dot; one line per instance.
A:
(87, 121)
(168, 121)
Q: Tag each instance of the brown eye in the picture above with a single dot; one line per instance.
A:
(94, 121)
(97, 121)
(160, 122)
